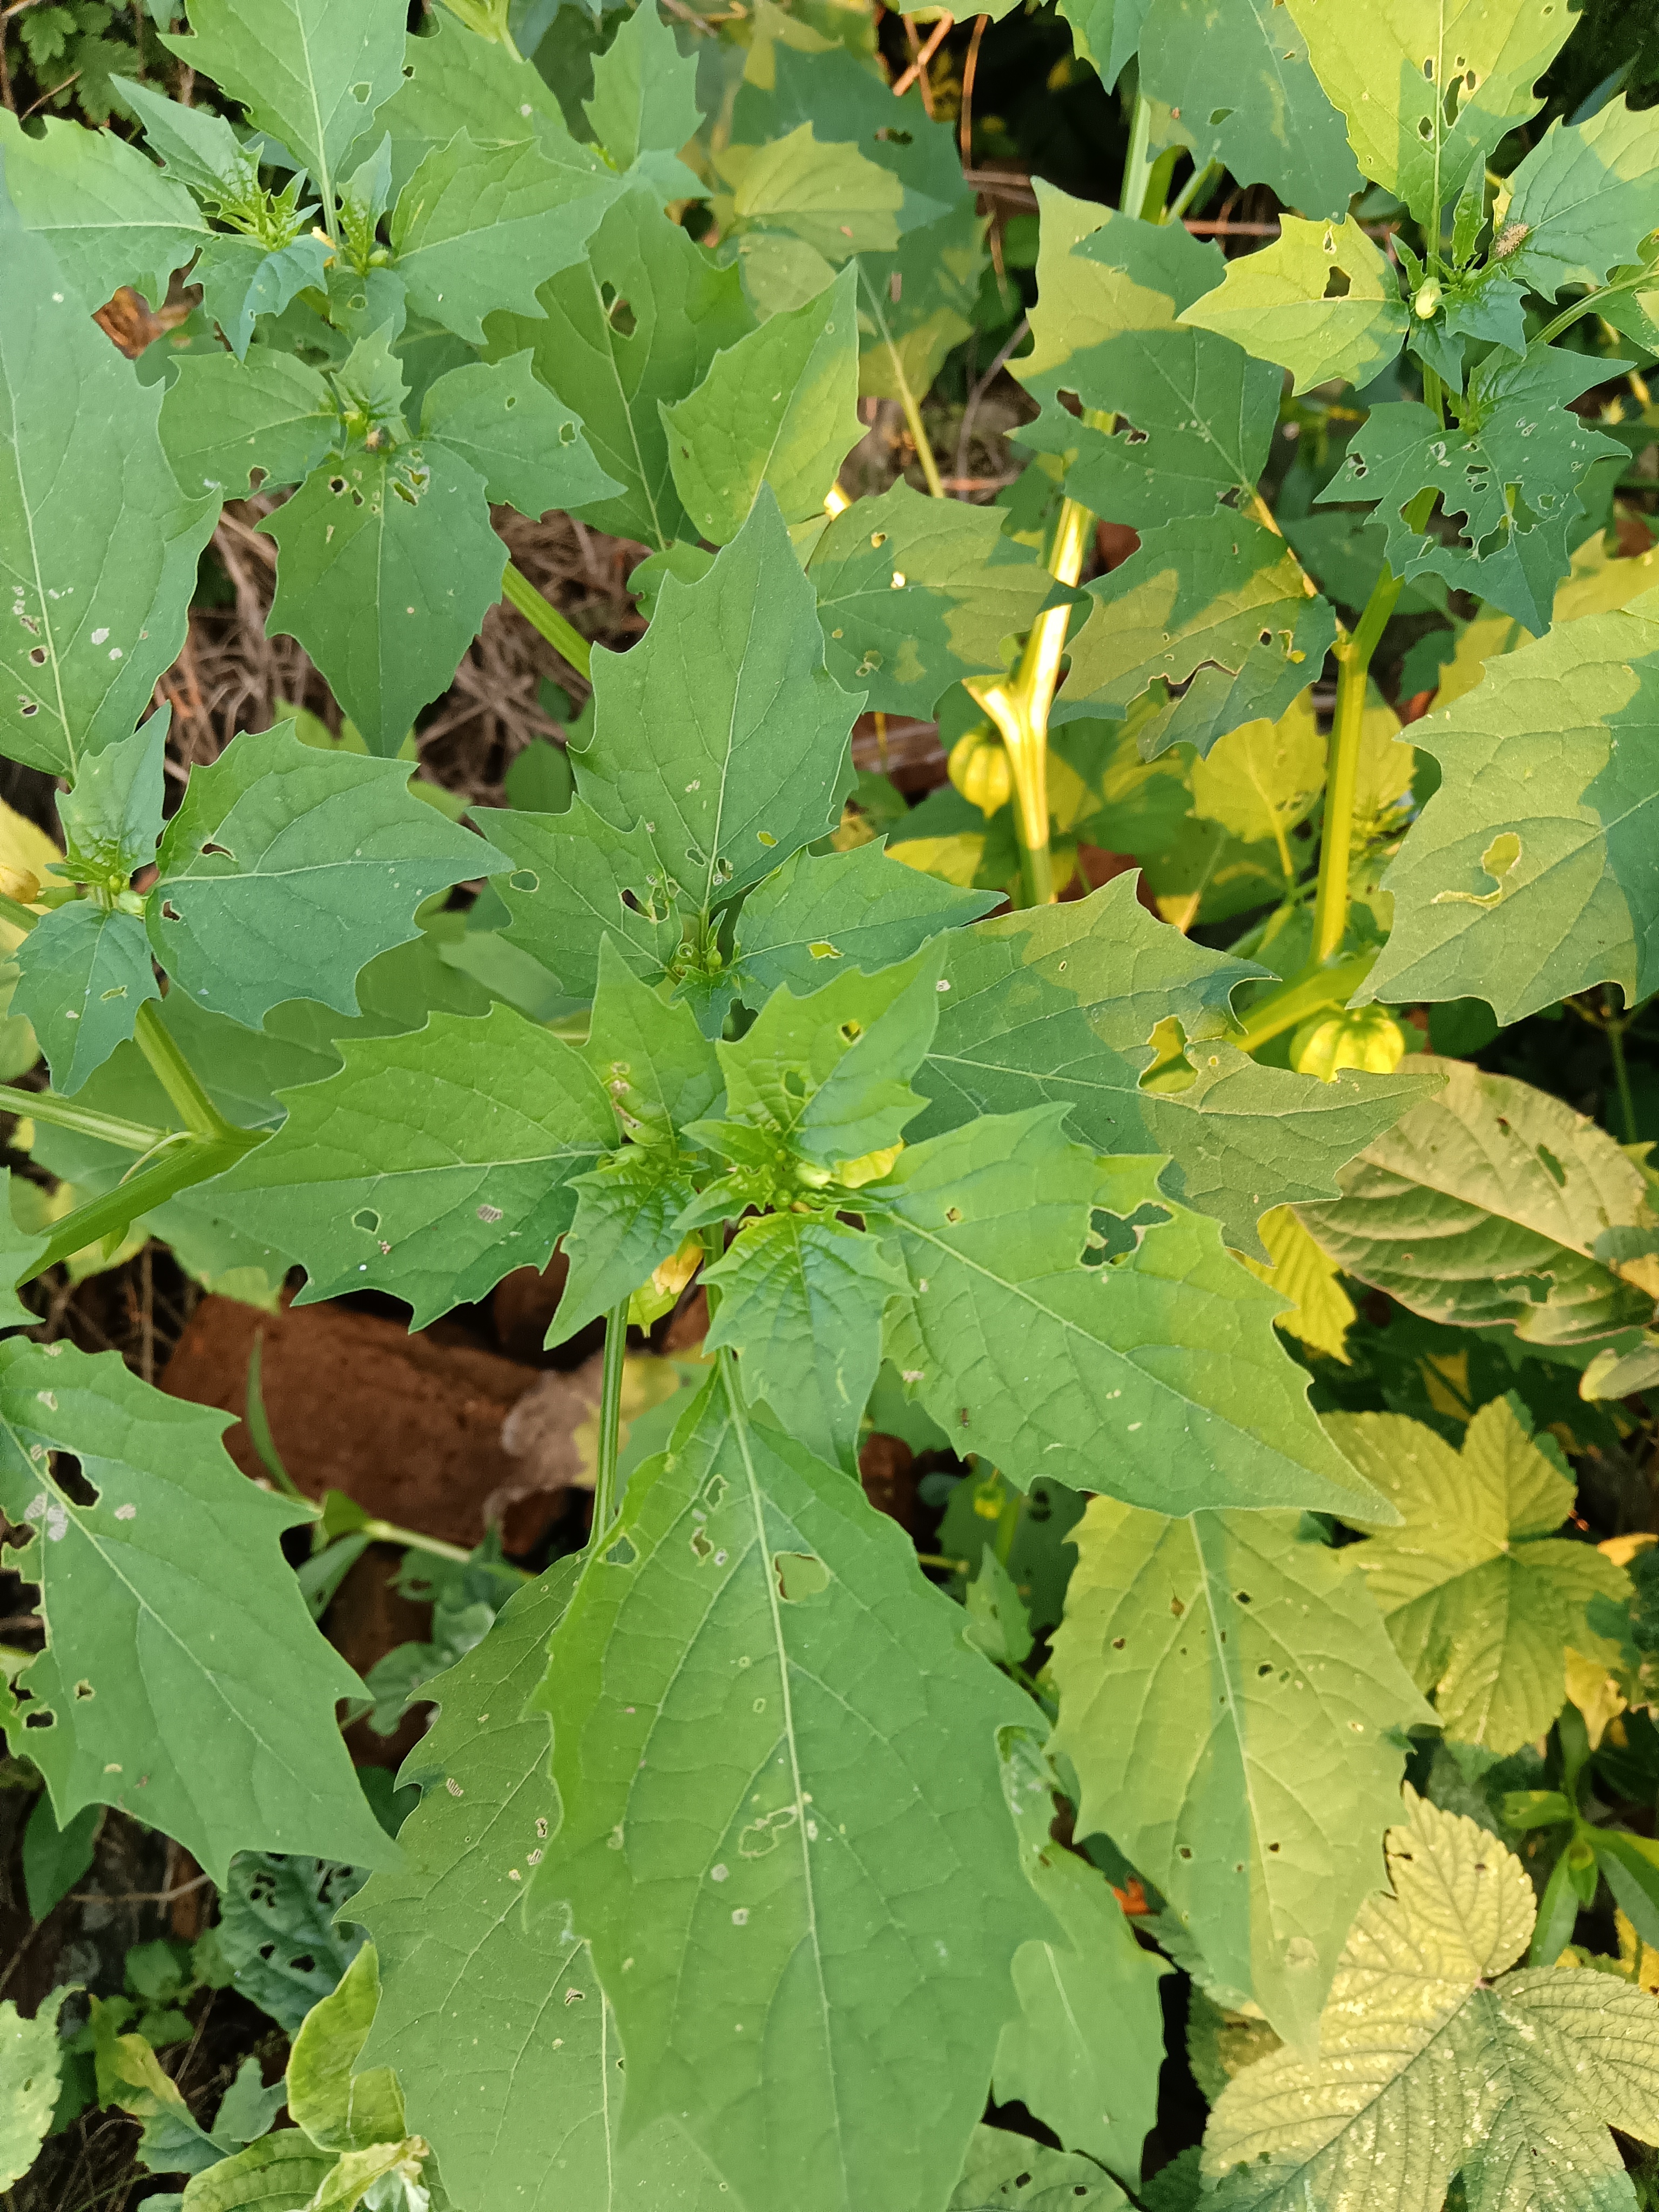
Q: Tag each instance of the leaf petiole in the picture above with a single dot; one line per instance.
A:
(611, 1391)
(542, 615)
(177, 1078)
(85, 1121)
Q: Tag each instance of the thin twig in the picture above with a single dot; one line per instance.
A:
(977, 394)
(139, 1896)
(965, 122)
(921, 56)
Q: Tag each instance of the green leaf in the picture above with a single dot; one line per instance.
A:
(613, 370)
(1526, 877)
(1238, 78)
(431, 1165)
(1031, 1360)
(339, 2108)
(1215, 602)
(645, 101)
(286, 870)
(1235, 1715)
(820, 910)
(514, 433)
(453, 80)
(1106, 34)
(777, 408)
(1587, 194)
(1321, 300)
(830, 197)
(28, 2083)
(1083, 2053)
(513, 2111)
(242, 279)
(112, 816)
(285, 1932)
(1006, 2170)
(915, 593)
(1432, 2060)
(98, 545)
(800, 1303)
(627, 1213)
(820, 1899)
(1394, 74)
(312, 73)
(84, 973)
(389, 565)
(284, 2169)
(111, 217)
(1065, 1003)
(577, 880)
(221, 422)
(721, 732)
(658, 1068)
(1518, 500)
(54, 1858)
(1479, 1592)
(1194, 415)
(184, 1680)
(478, 229)
(196, 147)
(1485, 1204)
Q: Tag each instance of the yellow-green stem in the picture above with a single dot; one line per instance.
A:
(195, 1159)
(610, 1390)
(1290, 1003)
(918, 437)
(178, 1078)
(542, 615)
(85, 1121)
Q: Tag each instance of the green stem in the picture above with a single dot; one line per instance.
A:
(1589, 304)
(1008, 1523)
(177, 1077)
(19, 917)
(1137, 169)
(542, 615)
(1290, 1003)
(1621, 1078)
(1192, 192)
(1353, 657)
(610, 1390)
(258, 1427)
(196, 1160)
(388, 1532)
(907, 398)
(85, 1121)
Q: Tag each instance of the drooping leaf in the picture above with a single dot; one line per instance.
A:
(644, 106)
(1321, 300)
(1526, 877)
(98, 544)
(1479, 1593)
(313, 73)
(338, 2106)
(1432, 2059)
(519, 2098)
(1428, 87)
(111, 217)
(285, 2168)
(1216, 599)
(1512, 473)
(821, 1892)
(221, 422)
(1585, 196)
(1082, 2054)
(509, 429)
(613, 370)
(1164, 1344)
(1488, 1203)
(1238, 78)
(820, 910)
(1065, 1003)
(432, 1164)
(388, 567)
(84, 973)
(182, 1679)
(30, 2063)
(915, 593)
(778, 409)
(1237, 1671)
(1194, 413)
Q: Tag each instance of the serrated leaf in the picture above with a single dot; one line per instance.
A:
(453, 79)
(389, 565)
(657, 1069)
(1596, 583)
(1423, 2069)
(1484, 1205)
(84, 971)
(1237, 1670)
(242, 279)
(184, 1680)
(220, 422)
(1479, 1594)
(577, 880)
(313, 73)
(1105, 33)
(915, 594)
(509, 2108)
(721, 734)
(195, 146)
(478, 229)
(821, 1934)
(1216, 599)
(286, 870)
(613, 370)
(645, 102)
(1513, 475)
(1394, 74)
(1005, 2170)
(1321, 1312)
(627, 1211)
(513, 432)
(1061, 1003)
(821, 913)
(1238, 78)
(111, 217)
(1321, 300)
(1588, 195)
(1035, 1362)
(831, 197)
(1526, 877)
(778, 410)
(431, 1165)
(98, 545)
(1193, 414)
(1083, 2054)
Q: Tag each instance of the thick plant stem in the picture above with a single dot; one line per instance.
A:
(86, 1121)
(542, 615)
(1353, 657)
(193, 1160)
(177, 1076)
(1290, 1004)
(611, 1389)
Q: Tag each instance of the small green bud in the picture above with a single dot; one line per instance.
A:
(1427, 300)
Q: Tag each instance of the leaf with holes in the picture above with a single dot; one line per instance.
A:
(182, 1679)
(221, 422)
(821, 1894)
(1321, 300)
(1584, 200)
(577, 880)
(84, 973)
(513, 432)
(110, 216)
(860, 908)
